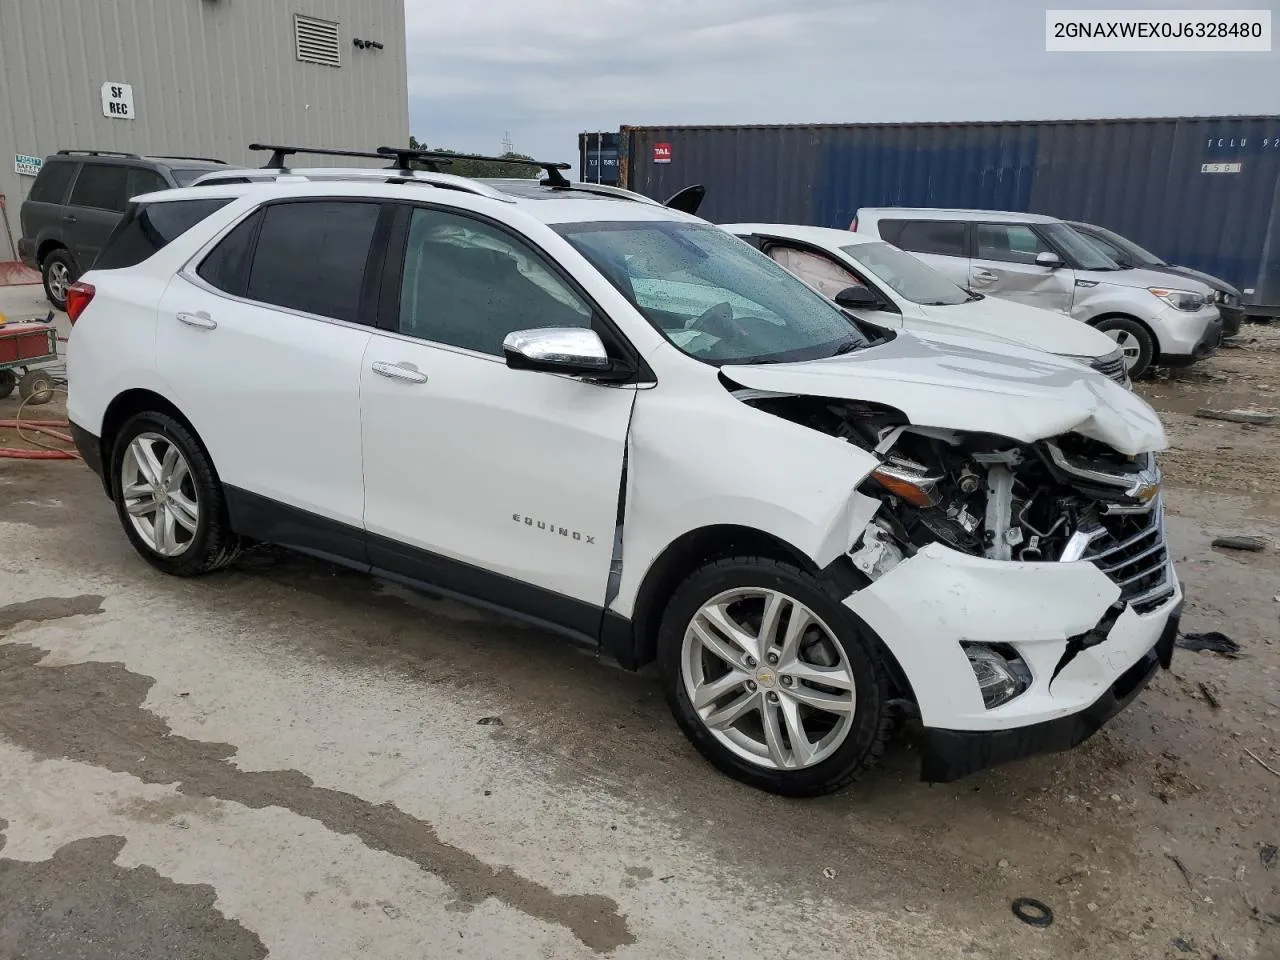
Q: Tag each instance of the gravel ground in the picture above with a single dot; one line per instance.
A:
(287, 760)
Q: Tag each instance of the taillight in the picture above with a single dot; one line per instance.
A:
(78, 297)
(854, 226)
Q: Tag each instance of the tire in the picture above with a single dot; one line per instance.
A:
(35, 387)
(194, 548)
(849, 741)
(1134, 339)
(8, 380)
(58, 272)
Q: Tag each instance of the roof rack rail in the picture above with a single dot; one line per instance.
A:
(96, 153)
(405, 154)
(178, 156)
(279, 153)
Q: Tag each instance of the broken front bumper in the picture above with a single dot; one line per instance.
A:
(928, 607)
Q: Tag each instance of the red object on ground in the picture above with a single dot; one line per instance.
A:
(27, 341)
(39, 426)
(15, 273)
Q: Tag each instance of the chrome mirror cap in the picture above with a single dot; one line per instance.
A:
(569, 349)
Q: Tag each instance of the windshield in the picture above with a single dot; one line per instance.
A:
(910, 278)
(712, 295)
(1085, 254)
(184, 176)
(1136, 255)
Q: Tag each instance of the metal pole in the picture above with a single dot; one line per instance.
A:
(599, 172)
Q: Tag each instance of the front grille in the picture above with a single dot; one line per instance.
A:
(1131, 550)
(1112, 366)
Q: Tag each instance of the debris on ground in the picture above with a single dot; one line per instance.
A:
(1213, 641)
(1182, 868)
(1262, 762)
(1209, 697)
(829, 873)
(1032, 912)
(490, 722)
(1254, 417)
(1251, 544)
(1183, 944)
(1267, 853)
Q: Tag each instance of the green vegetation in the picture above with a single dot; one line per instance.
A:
(482, 168)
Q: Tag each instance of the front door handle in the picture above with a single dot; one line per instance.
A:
(70, 219)
(984, 276)
(403, 370)
(198, 319)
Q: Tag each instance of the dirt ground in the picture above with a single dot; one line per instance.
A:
(290, 760)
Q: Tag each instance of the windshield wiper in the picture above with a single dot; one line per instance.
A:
(848, 347)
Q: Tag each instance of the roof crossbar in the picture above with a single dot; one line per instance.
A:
(95, 153)
(178, 156)
(552, 168)
(279, 153)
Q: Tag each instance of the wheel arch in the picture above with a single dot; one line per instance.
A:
(48, 246)
(126, 405)
(1120, 315)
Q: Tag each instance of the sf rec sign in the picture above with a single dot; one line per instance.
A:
(117, 101)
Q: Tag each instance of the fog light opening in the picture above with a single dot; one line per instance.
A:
(1000, 672)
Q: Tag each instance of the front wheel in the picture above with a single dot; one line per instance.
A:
(771, 679)
(169, 498)
(1134, 342)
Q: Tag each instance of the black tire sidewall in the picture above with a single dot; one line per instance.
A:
(61, 256)
(8, 381)
(30, 393)
(210, 525)
(1146, 345)
(865, 741)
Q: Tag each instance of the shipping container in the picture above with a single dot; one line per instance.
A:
(1202, 192)
(598, 158)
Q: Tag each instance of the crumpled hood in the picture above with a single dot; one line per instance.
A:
(1019, 323)
(956, 383)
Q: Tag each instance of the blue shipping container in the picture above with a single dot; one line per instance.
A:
(598, 158)
(1203, 192)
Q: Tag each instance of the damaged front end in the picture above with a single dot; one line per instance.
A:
(1025, 588)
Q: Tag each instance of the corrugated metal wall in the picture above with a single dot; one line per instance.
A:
(1142, 178)
(208, 77)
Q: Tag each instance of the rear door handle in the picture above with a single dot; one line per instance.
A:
(403, 370)
(70, 219)
(985, 276)
(198, 319)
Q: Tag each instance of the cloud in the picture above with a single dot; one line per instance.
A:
(544, 71)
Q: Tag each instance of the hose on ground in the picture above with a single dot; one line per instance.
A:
(44, 427)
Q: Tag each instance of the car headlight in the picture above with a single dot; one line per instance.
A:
(1180, 299)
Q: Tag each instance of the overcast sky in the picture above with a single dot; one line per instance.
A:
(543, 71)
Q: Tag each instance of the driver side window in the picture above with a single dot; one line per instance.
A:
(822, 273)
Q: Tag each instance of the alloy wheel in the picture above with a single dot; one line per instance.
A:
(59, 280)
(768, 679)
(1128, 344)
(159, 494)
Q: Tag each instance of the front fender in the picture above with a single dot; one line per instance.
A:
(705, 459)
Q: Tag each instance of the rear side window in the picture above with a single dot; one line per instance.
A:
(149, 227)
(943, 237)
(52, 182)
(144, 181)
(311, 256)
(227, 265)
(101, 186)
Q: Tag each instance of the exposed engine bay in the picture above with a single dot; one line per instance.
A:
(1069, 498)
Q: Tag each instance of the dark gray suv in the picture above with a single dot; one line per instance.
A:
(77, 200)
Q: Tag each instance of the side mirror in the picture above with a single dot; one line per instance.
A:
(1047, 258)
(687, 200)
(557, 350)
(857, 298)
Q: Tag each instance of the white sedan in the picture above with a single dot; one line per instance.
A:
(890, 288)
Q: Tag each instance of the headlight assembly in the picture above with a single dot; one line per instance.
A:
(1180, 299)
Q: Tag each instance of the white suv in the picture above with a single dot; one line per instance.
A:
(1044, 262)
(516, 393)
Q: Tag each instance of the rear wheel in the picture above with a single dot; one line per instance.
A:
(771, 679)
(169, 498)
(1134, 341)
(59, 272)
(8, 380)
(36, 386)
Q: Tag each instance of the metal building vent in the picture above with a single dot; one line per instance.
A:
(316, 41)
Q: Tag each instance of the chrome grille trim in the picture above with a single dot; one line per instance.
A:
(1138, 564)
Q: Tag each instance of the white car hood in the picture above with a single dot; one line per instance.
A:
(1019, 323)
(955, 383)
